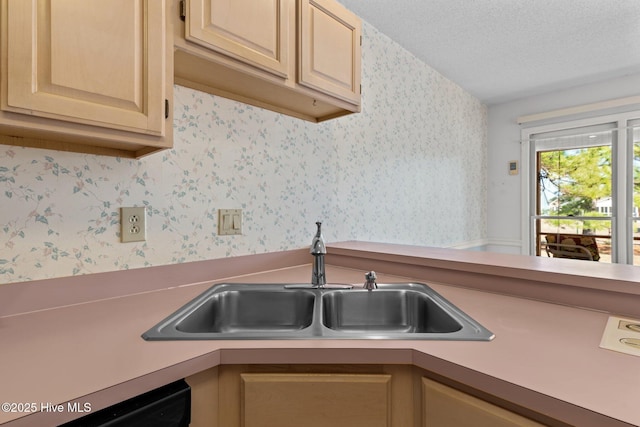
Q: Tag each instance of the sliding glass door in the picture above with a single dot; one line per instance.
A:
(583, 185)
(574, 199)
(634, 137)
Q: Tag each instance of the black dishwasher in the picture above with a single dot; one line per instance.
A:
(167, 406)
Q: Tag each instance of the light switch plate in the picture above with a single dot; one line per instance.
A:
(229, 222)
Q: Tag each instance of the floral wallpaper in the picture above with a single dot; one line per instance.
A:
(411, 168)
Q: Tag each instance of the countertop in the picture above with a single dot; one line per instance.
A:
(91, 351)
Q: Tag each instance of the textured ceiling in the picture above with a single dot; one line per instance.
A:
(501, 50)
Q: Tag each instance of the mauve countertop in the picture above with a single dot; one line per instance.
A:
(92, 351)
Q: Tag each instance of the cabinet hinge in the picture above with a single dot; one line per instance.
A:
(183, 10)
(166, 108)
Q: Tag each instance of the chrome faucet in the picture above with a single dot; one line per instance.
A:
(318, 275)
(318, 250)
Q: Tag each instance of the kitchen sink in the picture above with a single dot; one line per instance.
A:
(387, 311)
(411, 311)
(249, 310)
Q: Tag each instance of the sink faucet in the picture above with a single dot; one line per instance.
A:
(318, 250)
(318, 275)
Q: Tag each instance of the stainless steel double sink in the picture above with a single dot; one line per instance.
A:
(405, 311)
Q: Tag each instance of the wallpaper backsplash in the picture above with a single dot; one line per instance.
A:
(411, 168)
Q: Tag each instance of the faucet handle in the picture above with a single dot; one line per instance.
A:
(370, 281)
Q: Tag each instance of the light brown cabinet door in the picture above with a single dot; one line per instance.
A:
(254, 32)
(329, 49)
(316, 400)
(100, 63)
(303, 395)
(443, 406)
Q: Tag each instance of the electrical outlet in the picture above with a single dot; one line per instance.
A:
(133, 224)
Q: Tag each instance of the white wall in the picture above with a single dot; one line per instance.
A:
(504, 192)
(411, 168)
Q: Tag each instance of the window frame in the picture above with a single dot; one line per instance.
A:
(622, 218)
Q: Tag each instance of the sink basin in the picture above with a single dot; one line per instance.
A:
(238, 311)
(387, 311)
(277, 311)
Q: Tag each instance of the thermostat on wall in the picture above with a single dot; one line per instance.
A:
(513, 167)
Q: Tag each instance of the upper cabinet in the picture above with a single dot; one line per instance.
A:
(97, 77)
(296, 57)
(86, 76)
(329, 57)
(256, 33)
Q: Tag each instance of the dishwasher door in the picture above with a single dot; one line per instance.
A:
(167, 406)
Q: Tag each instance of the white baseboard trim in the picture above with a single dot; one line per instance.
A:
(469, 244)
(510, 245)
(505, 242)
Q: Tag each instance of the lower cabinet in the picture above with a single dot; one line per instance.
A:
(443, 406)
(339, 400)
(336, 396)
